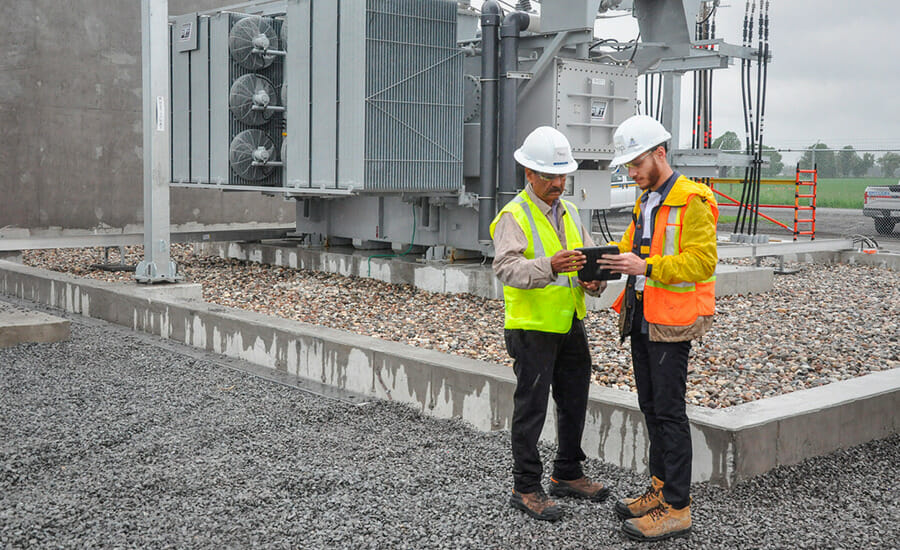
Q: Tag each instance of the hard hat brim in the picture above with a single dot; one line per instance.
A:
(628, 157)
(564, 168)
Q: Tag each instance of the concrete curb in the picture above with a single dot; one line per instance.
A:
(19, 325)
(729, 445)
(472, 278)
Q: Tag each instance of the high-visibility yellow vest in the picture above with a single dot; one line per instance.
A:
(551, 308)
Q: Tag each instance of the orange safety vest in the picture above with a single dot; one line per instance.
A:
(677, 304)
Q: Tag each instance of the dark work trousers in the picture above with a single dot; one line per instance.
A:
(660, 373)
(542, 360)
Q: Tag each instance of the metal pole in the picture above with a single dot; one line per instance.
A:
(487, 205)
(671, 115)
(157, 266)
(507, 175)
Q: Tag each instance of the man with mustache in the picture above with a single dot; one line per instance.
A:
(669, 255)
(534, 237)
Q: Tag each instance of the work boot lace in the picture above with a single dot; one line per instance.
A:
(648, 495)
(657, 513)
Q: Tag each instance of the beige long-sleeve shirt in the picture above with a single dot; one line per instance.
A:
(510, 264)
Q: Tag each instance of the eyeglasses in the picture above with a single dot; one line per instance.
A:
(638, 160)
(549, 177)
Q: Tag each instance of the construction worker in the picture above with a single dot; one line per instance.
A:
(669, 255)
(534, 237)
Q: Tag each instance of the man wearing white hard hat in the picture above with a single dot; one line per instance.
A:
(669, 255)
(535, 235)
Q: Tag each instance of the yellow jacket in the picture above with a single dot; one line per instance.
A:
(688, 255)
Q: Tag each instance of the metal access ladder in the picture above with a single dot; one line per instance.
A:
(808, 209)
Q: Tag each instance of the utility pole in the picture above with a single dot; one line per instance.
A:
(157, 265)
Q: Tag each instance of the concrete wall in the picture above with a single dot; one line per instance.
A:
(70, 122)
(729, 445)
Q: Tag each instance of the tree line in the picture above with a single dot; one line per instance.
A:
(843, 163)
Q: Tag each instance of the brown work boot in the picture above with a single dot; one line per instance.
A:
(628, 508)
(582, 487)
(660, 523)
(537, 505)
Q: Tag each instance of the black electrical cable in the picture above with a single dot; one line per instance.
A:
(764, 54)
(646, 95)
(634, 51)
(695, 114)
(739, 220)
(702, 93)
(659, 95)
(712, 32)
(604, 41)
(708, 15)
(695, 111)
(757, 160)
(603, 225)
(609, 235)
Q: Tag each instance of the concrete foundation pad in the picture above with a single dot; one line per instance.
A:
(462, 277)
(19, 325)
(729, 444)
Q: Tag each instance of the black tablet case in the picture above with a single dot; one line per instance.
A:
(591, 271)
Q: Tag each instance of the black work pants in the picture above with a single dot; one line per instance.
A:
(542, 360)
(660, 373)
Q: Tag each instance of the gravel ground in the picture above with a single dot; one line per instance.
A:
(820, 325)
(116, 439)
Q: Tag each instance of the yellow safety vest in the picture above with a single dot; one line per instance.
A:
(551, 308)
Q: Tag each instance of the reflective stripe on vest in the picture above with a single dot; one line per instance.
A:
(676, 304)
(551, 308)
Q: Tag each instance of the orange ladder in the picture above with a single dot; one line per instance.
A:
(810, 207)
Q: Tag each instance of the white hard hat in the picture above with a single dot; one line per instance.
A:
(546, 150)
(637, 135)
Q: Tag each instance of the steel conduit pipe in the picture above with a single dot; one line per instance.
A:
(490, 21)
(513, 24)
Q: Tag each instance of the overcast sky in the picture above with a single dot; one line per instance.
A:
(834, 77)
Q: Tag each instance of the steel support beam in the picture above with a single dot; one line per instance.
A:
(157, 266)
(671, 113)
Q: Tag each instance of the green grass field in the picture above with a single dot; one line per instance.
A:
(830, 193)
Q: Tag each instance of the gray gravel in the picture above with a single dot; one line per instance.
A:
(820, 325)
(115, 439)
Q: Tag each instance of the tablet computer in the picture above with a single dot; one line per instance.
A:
(591, 270)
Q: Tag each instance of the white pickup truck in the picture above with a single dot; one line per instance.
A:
(883, 204)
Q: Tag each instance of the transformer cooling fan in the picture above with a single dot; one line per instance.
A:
(249, 34)
(247, 148)
(247, 92)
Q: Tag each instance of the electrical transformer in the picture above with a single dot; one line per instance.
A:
(392, 123)
(227, 77)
